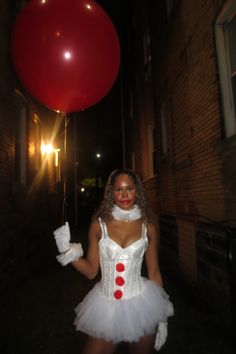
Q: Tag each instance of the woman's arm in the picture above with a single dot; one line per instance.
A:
(89, 266)
(151, 256)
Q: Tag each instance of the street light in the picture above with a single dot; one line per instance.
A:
(97, 165)
(48, 149)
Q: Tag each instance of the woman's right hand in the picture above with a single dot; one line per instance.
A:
(62, 238)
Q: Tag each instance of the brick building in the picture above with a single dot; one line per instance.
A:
(30, 183)
(180, 132)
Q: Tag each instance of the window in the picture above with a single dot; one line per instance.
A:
(152, 137)
(225, 30)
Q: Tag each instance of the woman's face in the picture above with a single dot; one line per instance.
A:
(124, 192)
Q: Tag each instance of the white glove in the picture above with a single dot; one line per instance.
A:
(73, 254)
(161, 335)
(62, 237)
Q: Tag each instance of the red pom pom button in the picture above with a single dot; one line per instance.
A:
(119, 281)
(118, 294)
(120, 267)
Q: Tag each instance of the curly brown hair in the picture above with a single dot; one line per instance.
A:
(105, 208)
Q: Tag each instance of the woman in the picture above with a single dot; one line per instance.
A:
(123, 306)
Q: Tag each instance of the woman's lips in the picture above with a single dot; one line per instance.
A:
(125, 202)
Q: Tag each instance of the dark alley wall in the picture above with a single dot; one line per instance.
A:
(30, 198)
(176, 82)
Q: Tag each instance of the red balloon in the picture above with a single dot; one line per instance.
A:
(65, 52)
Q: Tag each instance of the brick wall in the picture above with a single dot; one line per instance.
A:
(191, 182)
(196, 175)
(191, 88)
(195, 179)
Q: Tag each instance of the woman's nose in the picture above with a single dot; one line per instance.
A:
(124, 193)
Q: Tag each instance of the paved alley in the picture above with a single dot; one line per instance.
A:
(37, 317)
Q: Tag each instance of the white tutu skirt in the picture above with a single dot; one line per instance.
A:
(126, 319)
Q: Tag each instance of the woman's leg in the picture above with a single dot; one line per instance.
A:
(98, 346)
(144, 346)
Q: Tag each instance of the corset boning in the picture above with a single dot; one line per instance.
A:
(121, 268)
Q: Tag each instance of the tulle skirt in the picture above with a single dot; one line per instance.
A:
(126, 319)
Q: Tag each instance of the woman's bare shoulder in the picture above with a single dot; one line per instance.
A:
(151, 229)
(94, 228)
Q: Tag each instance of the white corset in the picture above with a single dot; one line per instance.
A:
(121, 267)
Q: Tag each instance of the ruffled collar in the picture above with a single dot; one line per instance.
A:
(126, 215)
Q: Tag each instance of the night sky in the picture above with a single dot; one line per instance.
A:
(99, 127)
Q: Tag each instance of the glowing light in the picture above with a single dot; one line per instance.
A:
(82, 189)
(98, 156)
(43, 1)
(67, 55)
(46, 149)
(89, 7)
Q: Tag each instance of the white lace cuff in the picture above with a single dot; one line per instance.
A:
(73, 254)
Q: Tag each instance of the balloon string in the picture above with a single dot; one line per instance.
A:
(65, 204)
